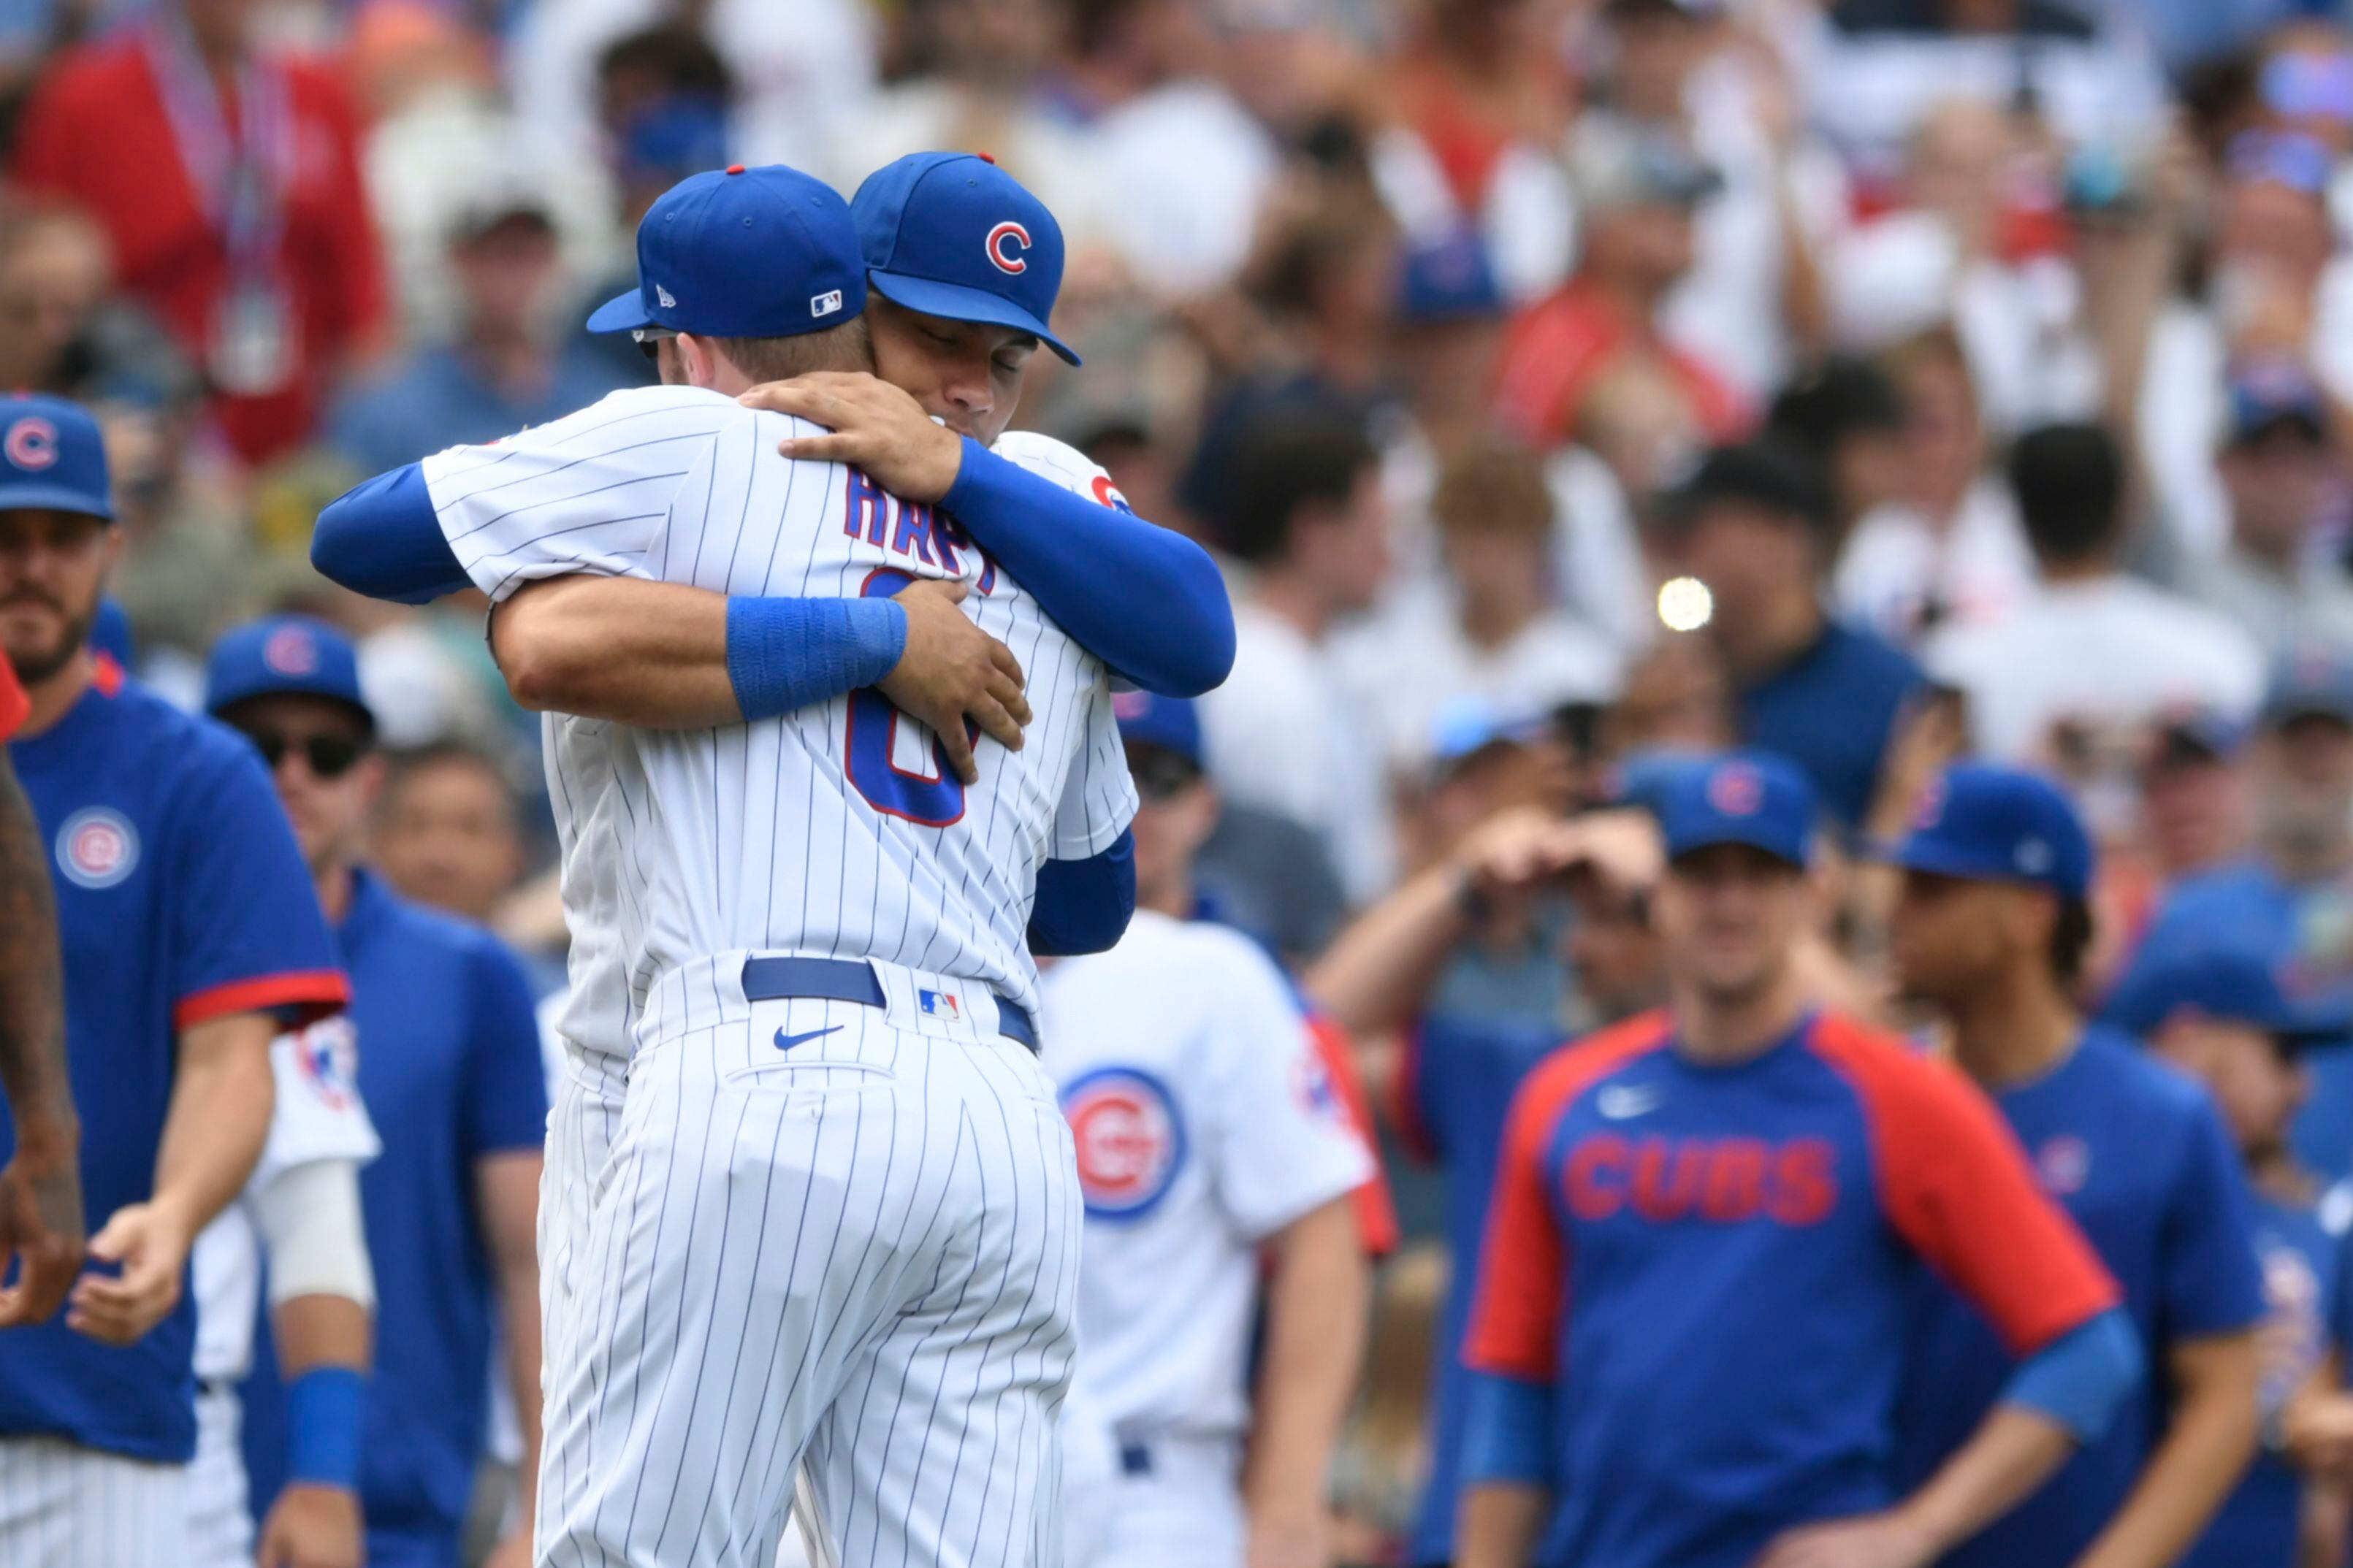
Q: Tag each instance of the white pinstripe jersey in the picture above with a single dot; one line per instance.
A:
(836, 829)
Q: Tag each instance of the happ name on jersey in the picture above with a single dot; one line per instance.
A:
(917, 530)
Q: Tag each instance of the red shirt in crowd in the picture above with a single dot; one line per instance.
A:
(1556, 350)
(15, 706)
(97, 133)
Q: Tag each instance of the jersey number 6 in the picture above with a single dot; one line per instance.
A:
(931, 800)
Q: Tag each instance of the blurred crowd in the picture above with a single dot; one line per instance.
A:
(1569, 383)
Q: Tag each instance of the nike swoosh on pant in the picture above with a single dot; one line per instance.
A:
(786, 1042)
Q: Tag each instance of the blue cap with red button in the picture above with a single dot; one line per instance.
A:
(1985, 823)
(952, 235)
(51, 457)
(1753, 798)
(2228, 984)
(1167, 722)
(743, 253)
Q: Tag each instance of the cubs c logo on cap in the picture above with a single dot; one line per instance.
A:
(1930, 807)
(1130, 1142)
(1736, 790)
(291, 651)
(1008, 233)
(31, 443)
(1129, 705)
(97, 848)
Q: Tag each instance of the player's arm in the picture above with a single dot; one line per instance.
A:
(1083, 906)
(2213, 1305)
(666, 655)
(213, 1133)
(1146, 600)
(323, 1305)
(505, 1132)
(1512, 1348)
(1316, 1304)
(41, 1188)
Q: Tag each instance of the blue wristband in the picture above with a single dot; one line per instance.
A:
(322, 1419)
(785, 653)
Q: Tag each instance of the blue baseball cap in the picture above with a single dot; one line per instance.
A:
(1169, 723)
(743, 253)
(1741, 797)
(281, 656)
(2315, 680)
(2228, 984)
(1985, 823)
(952, 235)
(52, 457)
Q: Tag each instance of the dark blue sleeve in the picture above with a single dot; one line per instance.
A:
(1083, 906)
(1507, 1433)
(2081, 1379)
(1146, 600)
(382, 538)
(2210, 1283)
(506, 1094)
(246, 934)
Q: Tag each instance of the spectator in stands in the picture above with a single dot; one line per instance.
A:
(2072, 677)
(1491, 635)
(227, 178)
(1636, 191)
(2290, 900)
(1849, 416)
(1303, 507)
(2284, 481)
(1753, 524)
(1948, 547)
(2194, 812)
(515, 359)
(447, 831)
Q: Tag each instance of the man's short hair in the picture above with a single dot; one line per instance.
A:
(1294, 455)
(2071, 940)
(2070, 484)
(844, 347)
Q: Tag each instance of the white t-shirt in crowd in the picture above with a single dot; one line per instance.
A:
(2108, 652)
(1185, 171)
(1287, 734)
(1895, 567)
(1417, 657)
(1204, 1123)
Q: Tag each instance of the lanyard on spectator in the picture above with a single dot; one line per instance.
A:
(240, 184)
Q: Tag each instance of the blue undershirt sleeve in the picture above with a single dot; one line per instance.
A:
(1146, 600)
(2081, 1379)
(1507, 1433)
(784, 654)
(1083, 906)
(382, 538)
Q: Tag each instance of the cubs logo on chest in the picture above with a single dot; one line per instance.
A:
(97, 848)
(1130, 1139)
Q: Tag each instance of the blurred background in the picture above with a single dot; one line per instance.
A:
(2032, 319)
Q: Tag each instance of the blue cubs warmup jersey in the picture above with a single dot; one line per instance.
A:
(2137, 1154)
(2307, 932)
(2261, 1523)
(450, 1069)
(1714, 1268)
(181, 897)
(1455, 1092)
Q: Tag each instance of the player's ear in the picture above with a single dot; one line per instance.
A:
(369, 772)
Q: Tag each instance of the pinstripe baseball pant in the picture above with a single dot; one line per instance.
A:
(220, 1526)
(62, 1503)
(830, 1232)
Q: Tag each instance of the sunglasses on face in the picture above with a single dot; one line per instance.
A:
(327, 756)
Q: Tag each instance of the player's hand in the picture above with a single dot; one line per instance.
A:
(151, 1245)
(1889, 1540)
(515, 1551)
(1289, 1541)
(953, 671)
(40, 1226)
(312, 1526)
(876, 427)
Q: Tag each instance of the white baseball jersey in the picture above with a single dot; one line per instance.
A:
(835, 830)
(318, 1116)
(1204, 1123)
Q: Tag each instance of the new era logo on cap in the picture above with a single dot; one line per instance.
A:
(662, 297)
(825, 304)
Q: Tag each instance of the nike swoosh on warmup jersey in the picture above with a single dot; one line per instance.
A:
(786, 1042)
(1618, 1102)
